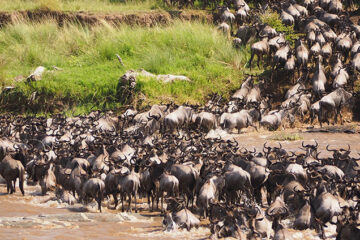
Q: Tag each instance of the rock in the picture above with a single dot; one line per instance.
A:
(37, 74)
(127, 82)
(168, 78)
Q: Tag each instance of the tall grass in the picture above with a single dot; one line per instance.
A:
(90, 70)
(83, 5)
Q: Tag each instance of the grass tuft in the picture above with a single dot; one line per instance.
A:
(286, 137)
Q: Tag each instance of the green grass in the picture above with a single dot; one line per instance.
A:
(286, 137)
(82, 5)
(104, 6)
(273, 19)
(90, 70)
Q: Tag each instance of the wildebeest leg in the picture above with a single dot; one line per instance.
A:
(129, 207)
(115, 200)
(322, 232)
(135, 203)
(21, 186)
(186, 199)
(8, 187)
(14, 187)
(259, 58)
(162, 202)
(192, 199)
(157, 199)
(122, 202)
(98, 199)
(73, 193)
(207, 211)
(254, 126)
(148, 197)
(320, 116)
(336, 116)
(341, 118)
(251, 58)
(153, 200)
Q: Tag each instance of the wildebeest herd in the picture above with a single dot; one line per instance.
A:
(243, 192)
(324, 57)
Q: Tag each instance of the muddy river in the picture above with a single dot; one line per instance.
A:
(34, 217)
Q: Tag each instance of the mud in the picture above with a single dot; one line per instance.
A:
(146, 19)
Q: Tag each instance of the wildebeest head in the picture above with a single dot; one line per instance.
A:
(340, 154)
(311, 150)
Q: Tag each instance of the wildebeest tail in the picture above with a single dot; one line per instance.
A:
(99, 191)
(21, 179)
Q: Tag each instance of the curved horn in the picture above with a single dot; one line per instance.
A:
(245, 152)
(253, 151)
(265, 147)
(330, 150)
(260, 35)
(236, 143)
(295, 190)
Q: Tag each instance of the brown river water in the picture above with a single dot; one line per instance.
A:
(31, 217)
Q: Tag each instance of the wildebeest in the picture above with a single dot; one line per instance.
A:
(178, 118)
(238, 120)
(93, 188)
(333, 102)
(10, 170)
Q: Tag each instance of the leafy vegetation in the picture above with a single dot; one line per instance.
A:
(90, 70)
(273, 19)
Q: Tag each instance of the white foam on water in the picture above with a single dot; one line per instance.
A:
(130, 217)
(176, 234)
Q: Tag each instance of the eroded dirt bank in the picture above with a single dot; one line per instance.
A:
(147, 19)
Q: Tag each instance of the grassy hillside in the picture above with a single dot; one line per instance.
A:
(90, 70)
